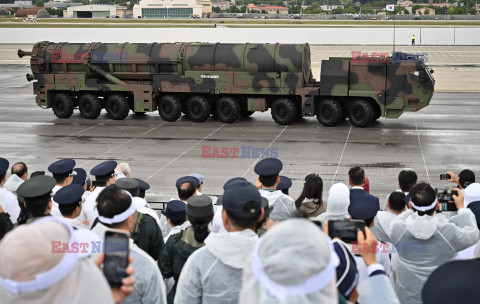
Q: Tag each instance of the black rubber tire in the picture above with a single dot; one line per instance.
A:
(329, 112)
(89, 106)
(360, 113)
(284, 111)
(377, 112)
(63, 105)
(170, 108)
(117, 107)
(198, 109)
(227, 109)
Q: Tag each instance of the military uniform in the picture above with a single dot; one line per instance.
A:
(147, 235)
(174, 255)
(61, 167)
(35, 188)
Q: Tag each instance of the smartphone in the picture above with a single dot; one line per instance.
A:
(346, 230)
(445, 176)
(447, 207)
(116, 248)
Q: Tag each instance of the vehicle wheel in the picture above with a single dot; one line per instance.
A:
(284, 111)
(63, 105)
(170, 108)
(198, 109)
(117, 107)
(90, 106)
(361, 113)
(329, 112)
(228, 109)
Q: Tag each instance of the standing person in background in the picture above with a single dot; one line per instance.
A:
(19, 175)
(62, 171)
(70, 199)
(181, 245)
(310, 200)
(356, 178)
(105, 176)
(213, 274)
(435, 239)
(337, 203)
(284, 184)
(283, 205)
(37, 193)
(201, 179)
(8, 200)
(123, 170)
(413, 39)
(176, 217)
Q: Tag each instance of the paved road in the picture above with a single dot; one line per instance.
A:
(442, 137)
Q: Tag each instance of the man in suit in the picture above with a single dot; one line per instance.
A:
(356, 179)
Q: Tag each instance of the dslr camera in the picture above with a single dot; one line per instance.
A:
(445, 199)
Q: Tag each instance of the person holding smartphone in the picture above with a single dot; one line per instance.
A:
(425, 239)
(116, 210)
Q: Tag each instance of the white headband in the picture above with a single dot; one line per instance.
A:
(424, 208)
(122, 216)
(311, 285)
(48, 278)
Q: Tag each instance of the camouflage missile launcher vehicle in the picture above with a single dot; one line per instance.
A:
(225, 80)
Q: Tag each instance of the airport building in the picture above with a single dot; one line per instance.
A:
(172, 8)
(95, 11)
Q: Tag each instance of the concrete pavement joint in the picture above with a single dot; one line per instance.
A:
(421, 149)
(180, 155)
(124, 143)
(341, 155)
(265, 148)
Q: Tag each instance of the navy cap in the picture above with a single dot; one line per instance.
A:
(69, 194)
(268, 167)
(142, 185)
(175, 211)
(80, 178)
(284, 183)
(364, 208)
(233, 181)
(238, 195)
(453, 282)
(62, 166)
(37, 186)
(346, 270)
(105, 168)
(4, 164)
(186, 179)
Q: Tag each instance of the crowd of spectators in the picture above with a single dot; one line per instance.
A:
(253, 244)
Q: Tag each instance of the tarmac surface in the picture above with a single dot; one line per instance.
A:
(441, 137)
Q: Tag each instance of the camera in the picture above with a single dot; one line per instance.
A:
(445, 199)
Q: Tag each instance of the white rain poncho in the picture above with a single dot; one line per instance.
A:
(70, 278)
(293, 263)
(381, 228)
(337, 203)
(9, 202)
(283, 205)
(216, 225)
(89, 208)
(12, 183)
(213, 273)
(425, 242)
(149, 287)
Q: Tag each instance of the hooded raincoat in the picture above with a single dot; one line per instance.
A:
(283, 205)
(424, 243)
(213, 274)
(337, 203)
(149, 287)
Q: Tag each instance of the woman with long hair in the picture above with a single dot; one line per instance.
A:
(310, 200)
